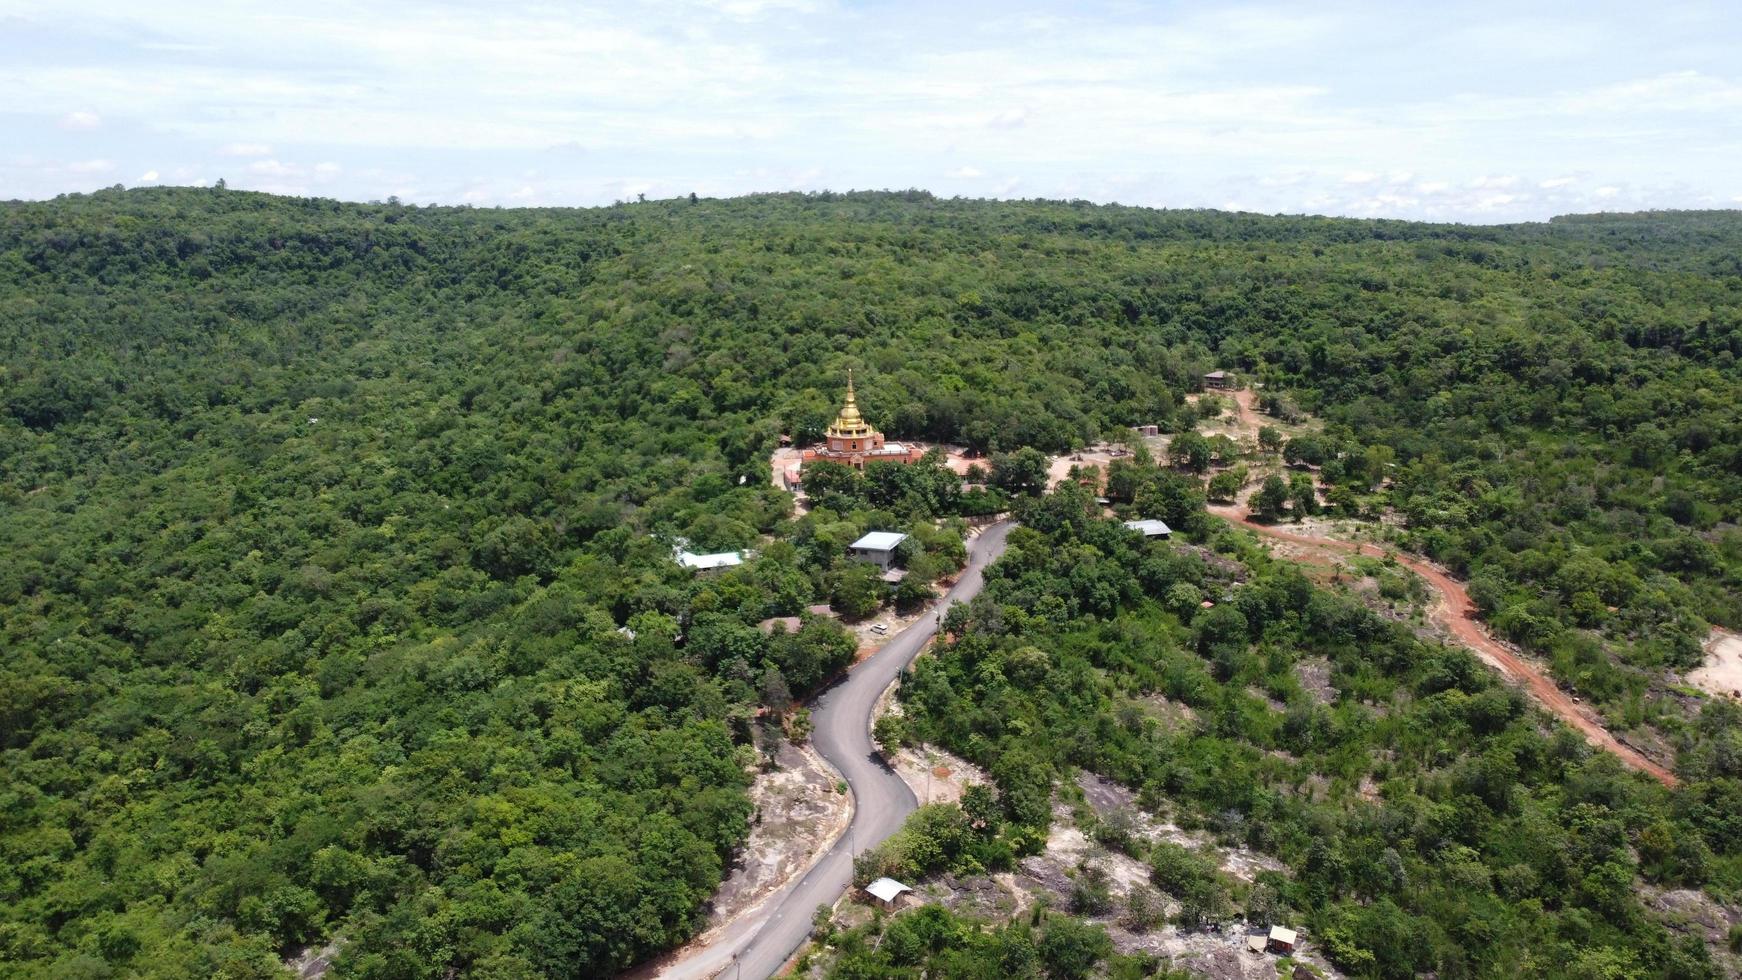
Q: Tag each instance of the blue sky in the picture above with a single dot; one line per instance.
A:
(1445, 111)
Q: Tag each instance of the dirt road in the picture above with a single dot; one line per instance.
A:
(1455, 611)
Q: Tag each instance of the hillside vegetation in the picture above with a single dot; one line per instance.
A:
(321, 521)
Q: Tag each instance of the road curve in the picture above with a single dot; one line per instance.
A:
(756, 945)
(1456, 612)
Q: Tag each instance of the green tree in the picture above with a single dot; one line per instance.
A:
(1190, 451)
(1021, 471)
(857, 590)
(890, 734)
(1304, 495)
(1271, 498)
(1173, 498)
(776, 696)
(1070, 949)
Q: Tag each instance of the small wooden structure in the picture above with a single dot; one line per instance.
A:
(1218, 380)
(886, 892)
(1282, 940)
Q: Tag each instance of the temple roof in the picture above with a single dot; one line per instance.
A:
(850, 423)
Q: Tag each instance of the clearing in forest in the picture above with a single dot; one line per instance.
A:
(1721, 674)
(1452, 608)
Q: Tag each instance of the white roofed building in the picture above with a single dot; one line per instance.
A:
(877, 547)
(1150, 529)
(887, 891)
(710, 563)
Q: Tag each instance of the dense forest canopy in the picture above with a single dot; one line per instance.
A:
(322, 521)
(1428, 822)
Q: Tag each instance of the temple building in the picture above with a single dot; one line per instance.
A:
(851, 441)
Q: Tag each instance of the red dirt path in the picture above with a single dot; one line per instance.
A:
(1455, 611)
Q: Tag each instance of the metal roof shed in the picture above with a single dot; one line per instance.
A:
(705, 563)
(1151, 528)
(886, 890)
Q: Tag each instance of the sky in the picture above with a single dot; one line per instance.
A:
(1446, 111)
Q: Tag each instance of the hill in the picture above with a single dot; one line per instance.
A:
(322, 520)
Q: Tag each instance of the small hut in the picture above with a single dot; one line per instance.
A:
(886, 892)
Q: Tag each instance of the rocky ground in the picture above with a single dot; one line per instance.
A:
(1721, 674)
(797, 815)
(1314, 675)
(313, 962)
(1220, 953)
(1695, 913)
(1108, 798)
(934, 775)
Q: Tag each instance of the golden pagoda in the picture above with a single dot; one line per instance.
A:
(851, 441)
(850, 426)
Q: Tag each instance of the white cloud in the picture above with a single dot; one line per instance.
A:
(91, 166)
(755, 9)
(1679, 91)
(150, 176)
(1264, 104)
(272, 168)
(81, 119)
(1608, 191)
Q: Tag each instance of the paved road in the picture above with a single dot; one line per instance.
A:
(758, 944)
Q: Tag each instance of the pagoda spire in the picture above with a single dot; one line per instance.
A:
(850, 422)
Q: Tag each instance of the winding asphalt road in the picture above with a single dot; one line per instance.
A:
(758, 944)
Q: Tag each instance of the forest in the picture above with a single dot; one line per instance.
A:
(1430, 820)
(339, 603)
